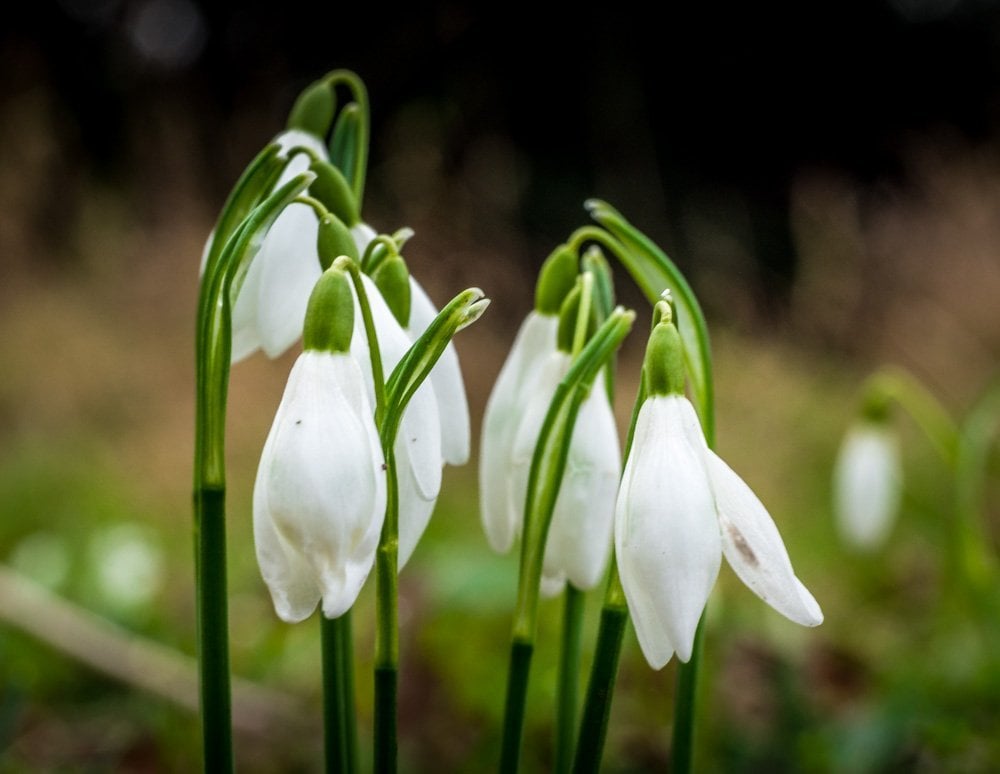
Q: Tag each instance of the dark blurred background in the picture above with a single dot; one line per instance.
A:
(827, 174)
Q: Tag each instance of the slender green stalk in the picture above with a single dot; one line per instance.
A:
(517, 693)
(653, 272)
(685, 707)
(930, 416)
(976, 558)
(224, 270)
(387, 627)
(213, 628)
(338, 693)
(604, 670)
(600, 688)
(548, 463)
(360, 156)
(569, 678)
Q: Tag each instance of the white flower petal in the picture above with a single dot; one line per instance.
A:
(666, 533)
(269, 309)
(288, 577)
(539, 389)
(535, 339)
(446, 378)
(290, 268)
(867, 485)
(754, 549)
(579, 540)
(414, 513)
(321, 483)
(363, 235)
(552, 585)
(420, 429)
(246, 339)
(290, 139)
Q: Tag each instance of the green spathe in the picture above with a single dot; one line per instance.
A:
(392, 278)
(333, 240)
(313, 110)
(556, 279)
(330, 314)
(664, 364)
(333, 190)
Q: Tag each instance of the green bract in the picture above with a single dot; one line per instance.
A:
(313, 110)
(556, 279)
(329, 320)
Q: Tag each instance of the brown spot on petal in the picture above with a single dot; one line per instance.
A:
(742, 545)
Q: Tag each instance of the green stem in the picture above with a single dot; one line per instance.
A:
(213, 627)
(517, 694)
(360, 94)
(976, 556)
(338, 693)
(685, 707)
(387, 626)
(930, 416)
(600, 688)
(569, 677)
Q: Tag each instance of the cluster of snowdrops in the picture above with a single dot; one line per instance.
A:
(375, 406)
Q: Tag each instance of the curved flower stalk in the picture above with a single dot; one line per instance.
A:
(867, 484)
(270, 305)
(680, 508)
(320, 495)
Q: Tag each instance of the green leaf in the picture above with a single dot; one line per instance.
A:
(254, 184)
(415, 366)
(214, 330)
(654, 272)
(548, 463)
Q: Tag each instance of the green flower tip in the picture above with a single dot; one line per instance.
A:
(330, 314)
(476, 306)
(664, 364)
(392, 278)
(555, 280)
(568, 313)
(333, 240)
(313, 110)
(333, 190)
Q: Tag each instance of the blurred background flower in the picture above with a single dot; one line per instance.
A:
(827, 175)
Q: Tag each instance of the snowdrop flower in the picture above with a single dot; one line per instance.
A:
(320, 495)
(446, 376)
(272, 301)
(680, 509)
(867, 484)
(501, 502)
(418, 443)
(579, 536)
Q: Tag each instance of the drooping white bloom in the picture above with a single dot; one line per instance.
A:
(579, 536)
(272, 301)
(446, 376)
(418, 443)
(499, 505)
(320, 495)
(867, 485)
(680, 508)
